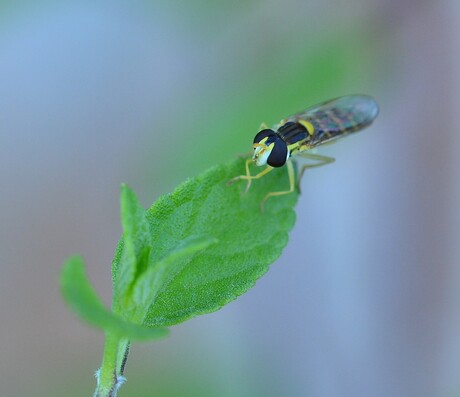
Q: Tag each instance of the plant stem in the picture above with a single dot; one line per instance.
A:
(109, 376)
(123, 350)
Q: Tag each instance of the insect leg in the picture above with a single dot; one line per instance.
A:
(248, 175)
(320, 160)
(291, 186)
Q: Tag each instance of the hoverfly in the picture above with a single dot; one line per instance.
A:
(296, 135)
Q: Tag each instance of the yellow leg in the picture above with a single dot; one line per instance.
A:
(321, 160)
(248, 175)
(291, 186)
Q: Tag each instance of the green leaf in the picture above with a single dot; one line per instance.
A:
(248, 241)
(137, 244)
(82, 298)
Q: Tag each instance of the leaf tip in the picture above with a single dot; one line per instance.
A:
(125, 190)
(71, 266)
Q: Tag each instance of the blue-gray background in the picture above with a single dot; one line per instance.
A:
(364, 300)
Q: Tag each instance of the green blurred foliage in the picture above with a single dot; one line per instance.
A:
(221, 120)
(277, 90)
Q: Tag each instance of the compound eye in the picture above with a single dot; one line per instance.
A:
(279, 154)
(263, 134)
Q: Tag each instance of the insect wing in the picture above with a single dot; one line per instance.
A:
(338, 117)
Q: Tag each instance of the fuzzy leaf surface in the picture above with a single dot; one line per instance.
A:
(248, 241)
(81, 297)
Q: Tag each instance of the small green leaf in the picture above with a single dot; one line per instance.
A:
(248, 241)
(149, 285)
(80, 295)
(137, 244)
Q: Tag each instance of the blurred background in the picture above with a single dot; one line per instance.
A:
(364, 300)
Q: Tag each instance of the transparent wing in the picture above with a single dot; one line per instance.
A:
(338, 117)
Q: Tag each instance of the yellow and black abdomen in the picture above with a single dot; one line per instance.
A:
(338, 117)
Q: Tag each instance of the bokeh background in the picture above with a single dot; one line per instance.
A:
(364, 300)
